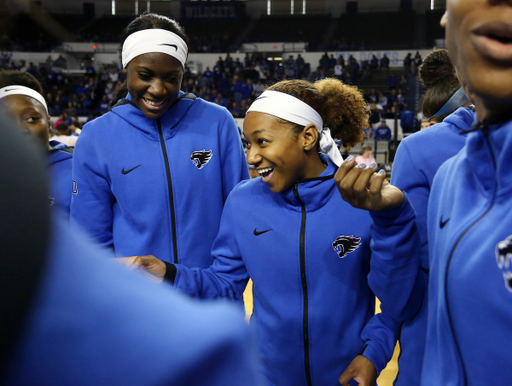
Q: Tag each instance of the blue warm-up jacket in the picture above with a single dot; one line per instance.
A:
(144, 186)
(417, 160)
(308, 254)
(94, 322)
(470, 247)
(60, 163)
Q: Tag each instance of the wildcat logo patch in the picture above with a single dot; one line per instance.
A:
(503, 259)
(346, 244)
(200, 158)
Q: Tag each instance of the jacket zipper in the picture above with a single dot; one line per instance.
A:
(169, 185)
(304, 284)
(485, 130)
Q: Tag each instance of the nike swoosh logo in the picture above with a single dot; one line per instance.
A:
(443, 223)
(256, 233)
(170, 45)
(128, 171)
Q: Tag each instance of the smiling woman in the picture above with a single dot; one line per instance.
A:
(139, 188)
(305, 249)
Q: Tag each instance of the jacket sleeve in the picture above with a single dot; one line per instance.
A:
(92, 199)
(380, 336)
(227, 277)
(233, 161)
(409, 176)
(395, 275)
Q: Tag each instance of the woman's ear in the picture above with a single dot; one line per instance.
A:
(310, 137)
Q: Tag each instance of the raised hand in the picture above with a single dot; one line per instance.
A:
(363, 188)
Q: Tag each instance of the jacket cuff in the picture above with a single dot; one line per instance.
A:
(374, 355)
(403, 213)
(170, 272)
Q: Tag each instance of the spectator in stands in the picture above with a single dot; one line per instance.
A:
(383, 132)
(220, 100)
(366, 74)
(338, 70)
(115, 162)
(383, 100)
(366, 156)
(235, 110)
(384, 62)
(417, 60)
(374, 113)
(21, 97)
(392, 81)
(104, 105)
(60, 62)
(64, 135)
(408, 62)
(258, 88)
(374, 63)
(392, 98)
(70, 110)
(236, 88)
(369, 132)
(373, 96)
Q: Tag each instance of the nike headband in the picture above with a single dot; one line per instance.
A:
(22, 90)
(154, 40)
(293, 110)
(457, 100)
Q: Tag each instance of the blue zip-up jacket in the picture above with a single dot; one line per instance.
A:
(158, 187)
(308, 254)
(470, 244)
(60, 163)
(94, 322)
(417, 160)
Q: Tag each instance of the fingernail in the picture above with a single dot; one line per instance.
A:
(381, 172)
(362, 165)
(349, 158)
(373, 164)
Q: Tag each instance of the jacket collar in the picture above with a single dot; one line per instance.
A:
(489, 156)
(169, 120)
(313, 192)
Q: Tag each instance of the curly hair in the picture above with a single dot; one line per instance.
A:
(20, 78)
(342, 107)
(438, 75)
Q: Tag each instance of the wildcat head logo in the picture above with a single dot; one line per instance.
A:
(503, 258)
(346, 244)
(201, 158)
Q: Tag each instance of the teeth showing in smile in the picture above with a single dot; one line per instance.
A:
(153, 103)
(265, 171)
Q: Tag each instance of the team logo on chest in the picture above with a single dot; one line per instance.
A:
(503, 259)
(346, 244)
(200, 158)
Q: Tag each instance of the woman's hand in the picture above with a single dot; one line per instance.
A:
(151, 266)
(362, 188)
(361, 370)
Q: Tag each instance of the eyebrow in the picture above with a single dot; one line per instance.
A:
(259, 131)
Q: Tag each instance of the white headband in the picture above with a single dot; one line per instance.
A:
(22, 90)
(293, 110)
(154, 40)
